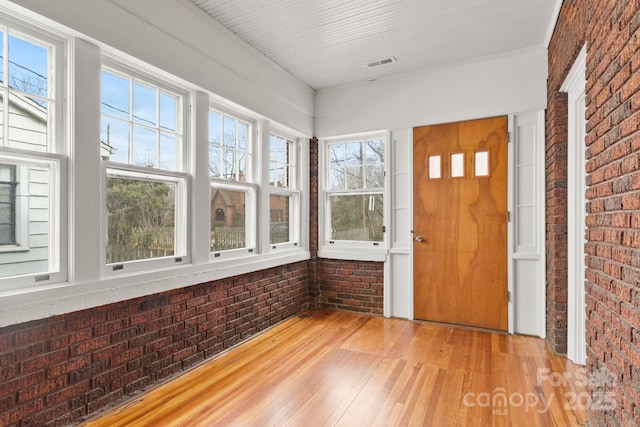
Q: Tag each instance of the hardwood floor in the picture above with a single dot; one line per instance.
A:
(328, 368)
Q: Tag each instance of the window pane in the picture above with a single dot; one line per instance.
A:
(114, 140)
(374, 176)
(28, 67)
(374, 151)
(272, 177)
(337, 179)
(435, 167)
(28, 120)
(144, 105)
(114, 96)
(140, 219)
(233, 137)
(281, 150)
(144, 147)
(354, 153)
(279, 218)
(214, 161)
(482, 163)
(354, 177)
(356, 217)
(457, 165)
(242, 167)
(227, 219)
(243, 132)
(281, 178)
(215, 128)
(149, 135)
(229, 164)
(168, 105)
(2, 56)
(167, 151)
(229, 132)
(25, 217)
(2, 96)
(336, 155)
(272, 147)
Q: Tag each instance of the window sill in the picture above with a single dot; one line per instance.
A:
(354, 254)
(46, 300)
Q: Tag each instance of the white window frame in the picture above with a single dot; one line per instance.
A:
(250, 213)
(54, 158)
(181, 237)
(250, 149)
(351, 249)
(180, 176)
(138, 77)
(292, 191)
(250, 186)
(21, 206)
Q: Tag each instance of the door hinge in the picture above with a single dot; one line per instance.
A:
(508, 296)
(508, 216)
(508, 137)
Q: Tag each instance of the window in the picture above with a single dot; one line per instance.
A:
(146, 196)
(354, 189)
(284, 195)
(233, 197)
(141, 123)
(8, 186)
(144, 214)
(32, 162)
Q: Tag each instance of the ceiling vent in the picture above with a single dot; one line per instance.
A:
(379, 62)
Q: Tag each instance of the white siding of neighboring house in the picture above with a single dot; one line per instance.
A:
(28, 130)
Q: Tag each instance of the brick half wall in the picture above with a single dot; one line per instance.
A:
(57, 370)
(350, 285)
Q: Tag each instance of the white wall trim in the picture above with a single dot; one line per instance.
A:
(574, 85)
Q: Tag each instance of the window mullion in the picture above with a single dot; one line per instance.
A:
(158, 130)
(5, 87)
(131, 116)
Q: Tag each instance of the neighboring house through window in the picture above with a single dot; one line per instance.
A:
(284, 197)
(8, 186)
(31, 157)
(233, 194)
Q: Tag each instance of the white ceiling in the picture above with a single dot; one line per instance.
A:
(327, 43)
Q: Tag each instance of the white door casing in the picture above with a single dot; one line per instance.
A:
(574, 85)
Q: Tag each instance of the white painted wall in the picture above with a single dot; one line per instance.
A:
(489, 88)
(513, 85)
(173, 36)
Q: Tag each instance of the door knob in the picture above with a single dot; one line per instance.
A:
(419, 239)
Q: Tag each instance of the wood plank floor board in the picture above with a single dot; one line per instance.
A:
(328, 368)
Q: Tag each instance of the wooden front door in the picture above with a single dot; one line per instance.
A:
(460, 223)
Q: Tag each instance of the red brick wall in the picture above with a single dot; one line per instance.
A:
(565, 45)
(60, 369)
(313, 222)
(350, 285)
(612, 32)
